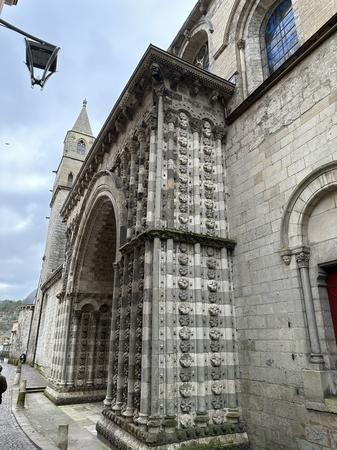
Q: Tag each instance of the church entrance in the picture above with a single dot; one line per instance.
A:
(332, 293)
(84, 333)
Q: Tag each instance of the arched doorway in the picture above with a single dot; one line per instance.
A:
(81, 351)
(91, 311)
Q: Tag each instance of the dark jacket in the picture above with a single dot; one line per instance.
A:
(3, 384)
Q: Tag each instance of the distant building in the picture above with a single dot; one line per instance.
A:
(191, 261)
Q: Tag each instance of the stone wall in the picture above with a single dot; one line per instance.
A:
(19, 343)
(47, 328)
(270, 149)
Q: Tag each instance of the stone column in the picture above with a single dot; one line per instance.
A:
(72, 351)
(131, 209)
(128, 414)
(145, 391)
(120, 371)
(241, 46)
(65, 346)
(92, 349)
(140, 192)
(113, 330)
(302, 260)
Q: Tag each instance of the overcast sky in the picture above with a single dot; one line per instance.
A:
(101, 43)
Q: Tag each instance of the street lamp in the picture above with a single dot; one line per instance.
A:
(39, 55)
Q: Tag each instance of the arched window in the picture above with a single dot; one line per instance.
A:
(81, 147)
(280, 35)
(202, 57)
(70, 179)
(197, 50)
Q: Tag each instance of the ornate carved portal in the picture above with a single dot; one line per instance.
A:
(172, 357)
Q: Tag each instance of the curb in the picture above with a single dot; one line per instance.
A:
(37, 439)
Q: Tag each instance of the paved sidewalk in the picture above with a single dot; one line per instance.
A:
(11, 435)
(40, 418)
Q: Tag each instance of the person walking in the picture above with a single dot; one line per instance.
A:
(3, 384)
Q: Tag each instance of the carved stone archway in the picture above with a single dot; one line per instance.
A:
(294, 238)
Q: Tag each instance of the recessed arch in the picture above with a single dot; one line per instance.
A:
(302, 202)
(197, 50)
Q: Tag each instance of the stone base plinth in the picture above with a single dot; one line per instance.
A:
(65, 397)
(124, 436)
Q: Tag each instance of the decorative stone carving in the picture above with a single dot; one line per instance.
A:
(183, 198)
(215, 360)
(212, 297)
(208, 150)
(183, 218)
(208, 185)
(207, 129)
(185, 308)
(183, 160)
(186, 405)
(214, 310)
(208, 168)
(218, 418)
(186, 360)
(182, 140)
(183, 283)
(212, 286)
(286, 259)
(183, 259)
(215, 346)
(185, 390)
(214, 334)
(217, 403)
(211, 274)
(183, 208)
(183, 271)
(183, 120)
(183, 296)
(185, 375)
(210, 224)
(214, 322)
(185, 333)
(217, 388)
(211, 263)
(185, 346)
(303, 259)
(184, 321)
(186, 421)
(182, 178)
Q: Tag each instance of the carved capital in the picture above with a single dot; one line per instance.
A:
(303, 259)
(241, 44)
(219, 133)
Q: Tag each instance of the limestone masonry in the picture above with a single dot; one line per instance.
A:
(190, 272)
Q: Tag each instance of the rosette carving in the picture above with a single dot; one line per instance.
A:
(214, 334)
(185, 333)
(215, 360)
(217, 388)
(183, 259)
(185, 308)
(212, 286)
(183, 283)
(186, 360)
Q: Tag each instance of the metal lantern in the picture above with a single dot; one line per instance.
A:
(41, 56)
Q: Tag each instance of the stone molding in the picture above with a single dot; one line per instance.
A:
(168, 69)
(179, 236)
(305, 196)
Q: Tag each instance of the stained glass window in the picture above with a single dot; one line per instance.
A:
(281, 36)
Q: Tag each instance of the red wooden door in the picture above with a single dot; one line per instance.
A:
(332, 293)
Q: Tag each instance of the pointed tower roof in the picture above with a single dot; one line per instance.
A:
(82, 124)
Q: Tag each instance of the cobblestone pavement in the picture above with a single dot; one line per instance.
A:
(11, 435)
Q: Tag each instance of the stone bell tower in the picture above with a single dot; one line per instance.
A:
(77, 144)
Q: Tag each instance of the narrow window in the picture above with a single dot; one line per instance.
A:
(81, 147)
(202, 57)
(332, 293)
(280, 35)
(70, 179)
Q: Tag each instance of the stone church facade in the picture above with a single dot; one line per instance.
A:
(189, 277)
